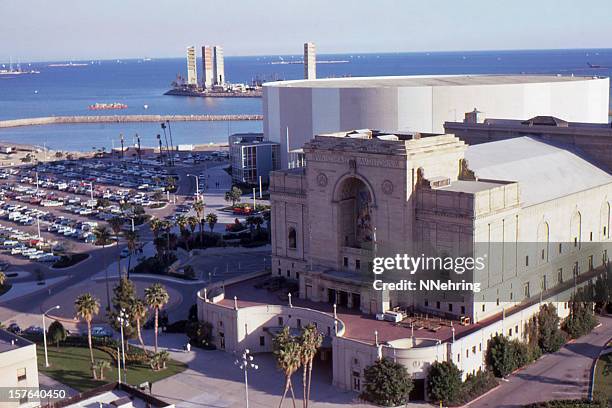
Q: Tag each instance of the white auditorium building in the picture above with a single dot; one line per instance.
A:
(297, 110)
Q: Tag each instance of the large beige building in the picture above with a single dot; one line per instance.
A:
(537, 213)
(19, 370)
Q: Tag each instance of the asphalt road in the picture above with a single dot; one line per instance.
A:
(562, 375)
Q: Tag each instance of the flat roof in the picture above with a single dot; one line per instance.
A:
(426, 80)
(10, 341)
(469, 186)
(545, 171)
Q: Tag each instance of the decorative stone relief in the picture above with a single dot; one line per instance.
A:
(387, 187)
(322, 180)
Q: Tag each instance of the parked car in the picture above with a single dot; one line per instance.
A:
(14, 328)
(34, 330)
(99, 331)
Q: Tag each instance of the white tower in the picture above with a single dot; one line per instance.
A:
(208, 66)
(192, 71)
(310, 61)
(218, 65)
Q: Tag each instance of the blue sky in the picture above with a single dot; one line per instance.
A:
(74, 29)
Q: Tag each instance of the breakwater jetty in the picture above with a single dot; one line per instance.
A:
(62, 120)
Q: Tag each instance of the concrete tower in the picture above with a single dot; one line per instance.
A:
(192, 71)
(310, 61)
(218, 66)
(208, 66)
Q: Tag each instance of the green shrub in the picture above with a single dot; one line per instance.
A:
(474, 386)
(386, 383)
(444, 382)
(581, 320)
(551, 338)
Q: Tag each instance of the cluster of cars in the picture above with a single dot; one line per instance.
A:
(27, 245)
(21, 213)
(96, 331)
(74, 229)
(148, 178)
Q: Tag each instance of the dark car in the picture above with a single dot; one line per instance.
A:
(14, 328)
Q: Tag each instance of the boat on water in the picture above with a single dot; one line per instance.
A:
(107, 106)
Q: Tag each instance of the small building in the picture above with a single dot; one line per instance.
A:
(18, 366)
(251, 157)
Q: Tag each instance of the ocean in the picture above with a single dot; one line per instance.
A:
(136, 82)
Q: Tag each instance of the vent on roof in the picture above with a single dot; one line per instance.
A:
(124, 402)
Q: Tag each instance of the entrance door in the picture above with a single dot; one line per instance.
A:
(331, 295)
(308, 291)
(343, 299)
(356, 300)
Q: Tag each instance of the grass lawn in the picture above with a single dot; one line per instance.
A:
(603, 377)
(71, 366)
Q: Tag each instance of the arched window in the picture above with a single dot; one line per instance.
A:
(292, 238)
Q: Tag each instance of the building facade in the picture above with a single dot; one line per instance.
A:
(294, 111)
(252, 157)
(310, 61)
(192, 69)
(218, 66)
(207, 67)
(19, 368)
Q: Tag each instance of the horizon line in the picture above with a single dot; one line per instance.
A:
(81, 59)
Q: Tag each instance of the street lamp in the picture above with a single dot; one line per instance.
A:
(45, 333)
(197, 180)
(123, 320)
(245, 362)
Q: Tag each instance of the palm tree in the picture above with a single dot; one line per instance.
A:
(103, 235)
(132, 239)
(181, 222)
(156, 297)
(116, 223)
(139, 312)
(310, 340)
(87, 306)
(155, 225)
(211, 219)
(288, 359)
(193, 223)
(101, 365)
(199, 208)
(2, 279)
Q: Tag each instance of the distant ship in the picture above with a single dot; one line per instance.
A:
(107, 106)
(595, 65)
(17, 71)
(69, 64)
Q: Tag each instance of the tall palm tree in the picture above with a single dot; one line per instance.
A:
(199, 208)
(156, 297)
(2, 279)
(211, 219)
(116, 223)
(310, 340)
(132, 239)
(181, 222)
(139, 312)
(86, 307)
(103, 235)
(193, 223)
(155, 225)
(288, 359)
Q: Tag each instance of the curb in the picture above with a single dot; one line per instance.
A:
(594, 367)
(480, 396)
(41, 290)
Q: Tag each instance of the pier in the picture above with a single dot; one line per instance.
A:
(62, 120)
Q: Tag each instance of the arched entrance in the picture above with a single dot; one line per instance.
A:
(355, 203)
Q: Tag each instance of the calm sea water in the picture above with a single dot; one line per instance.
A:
(69, 90)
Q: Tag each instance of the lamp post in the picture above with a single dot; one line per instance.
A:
(245, 362)
(123, 320)
(197, 180)
(45, 333)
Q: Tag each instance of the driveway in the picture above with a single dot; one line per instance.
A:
(563, 375)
